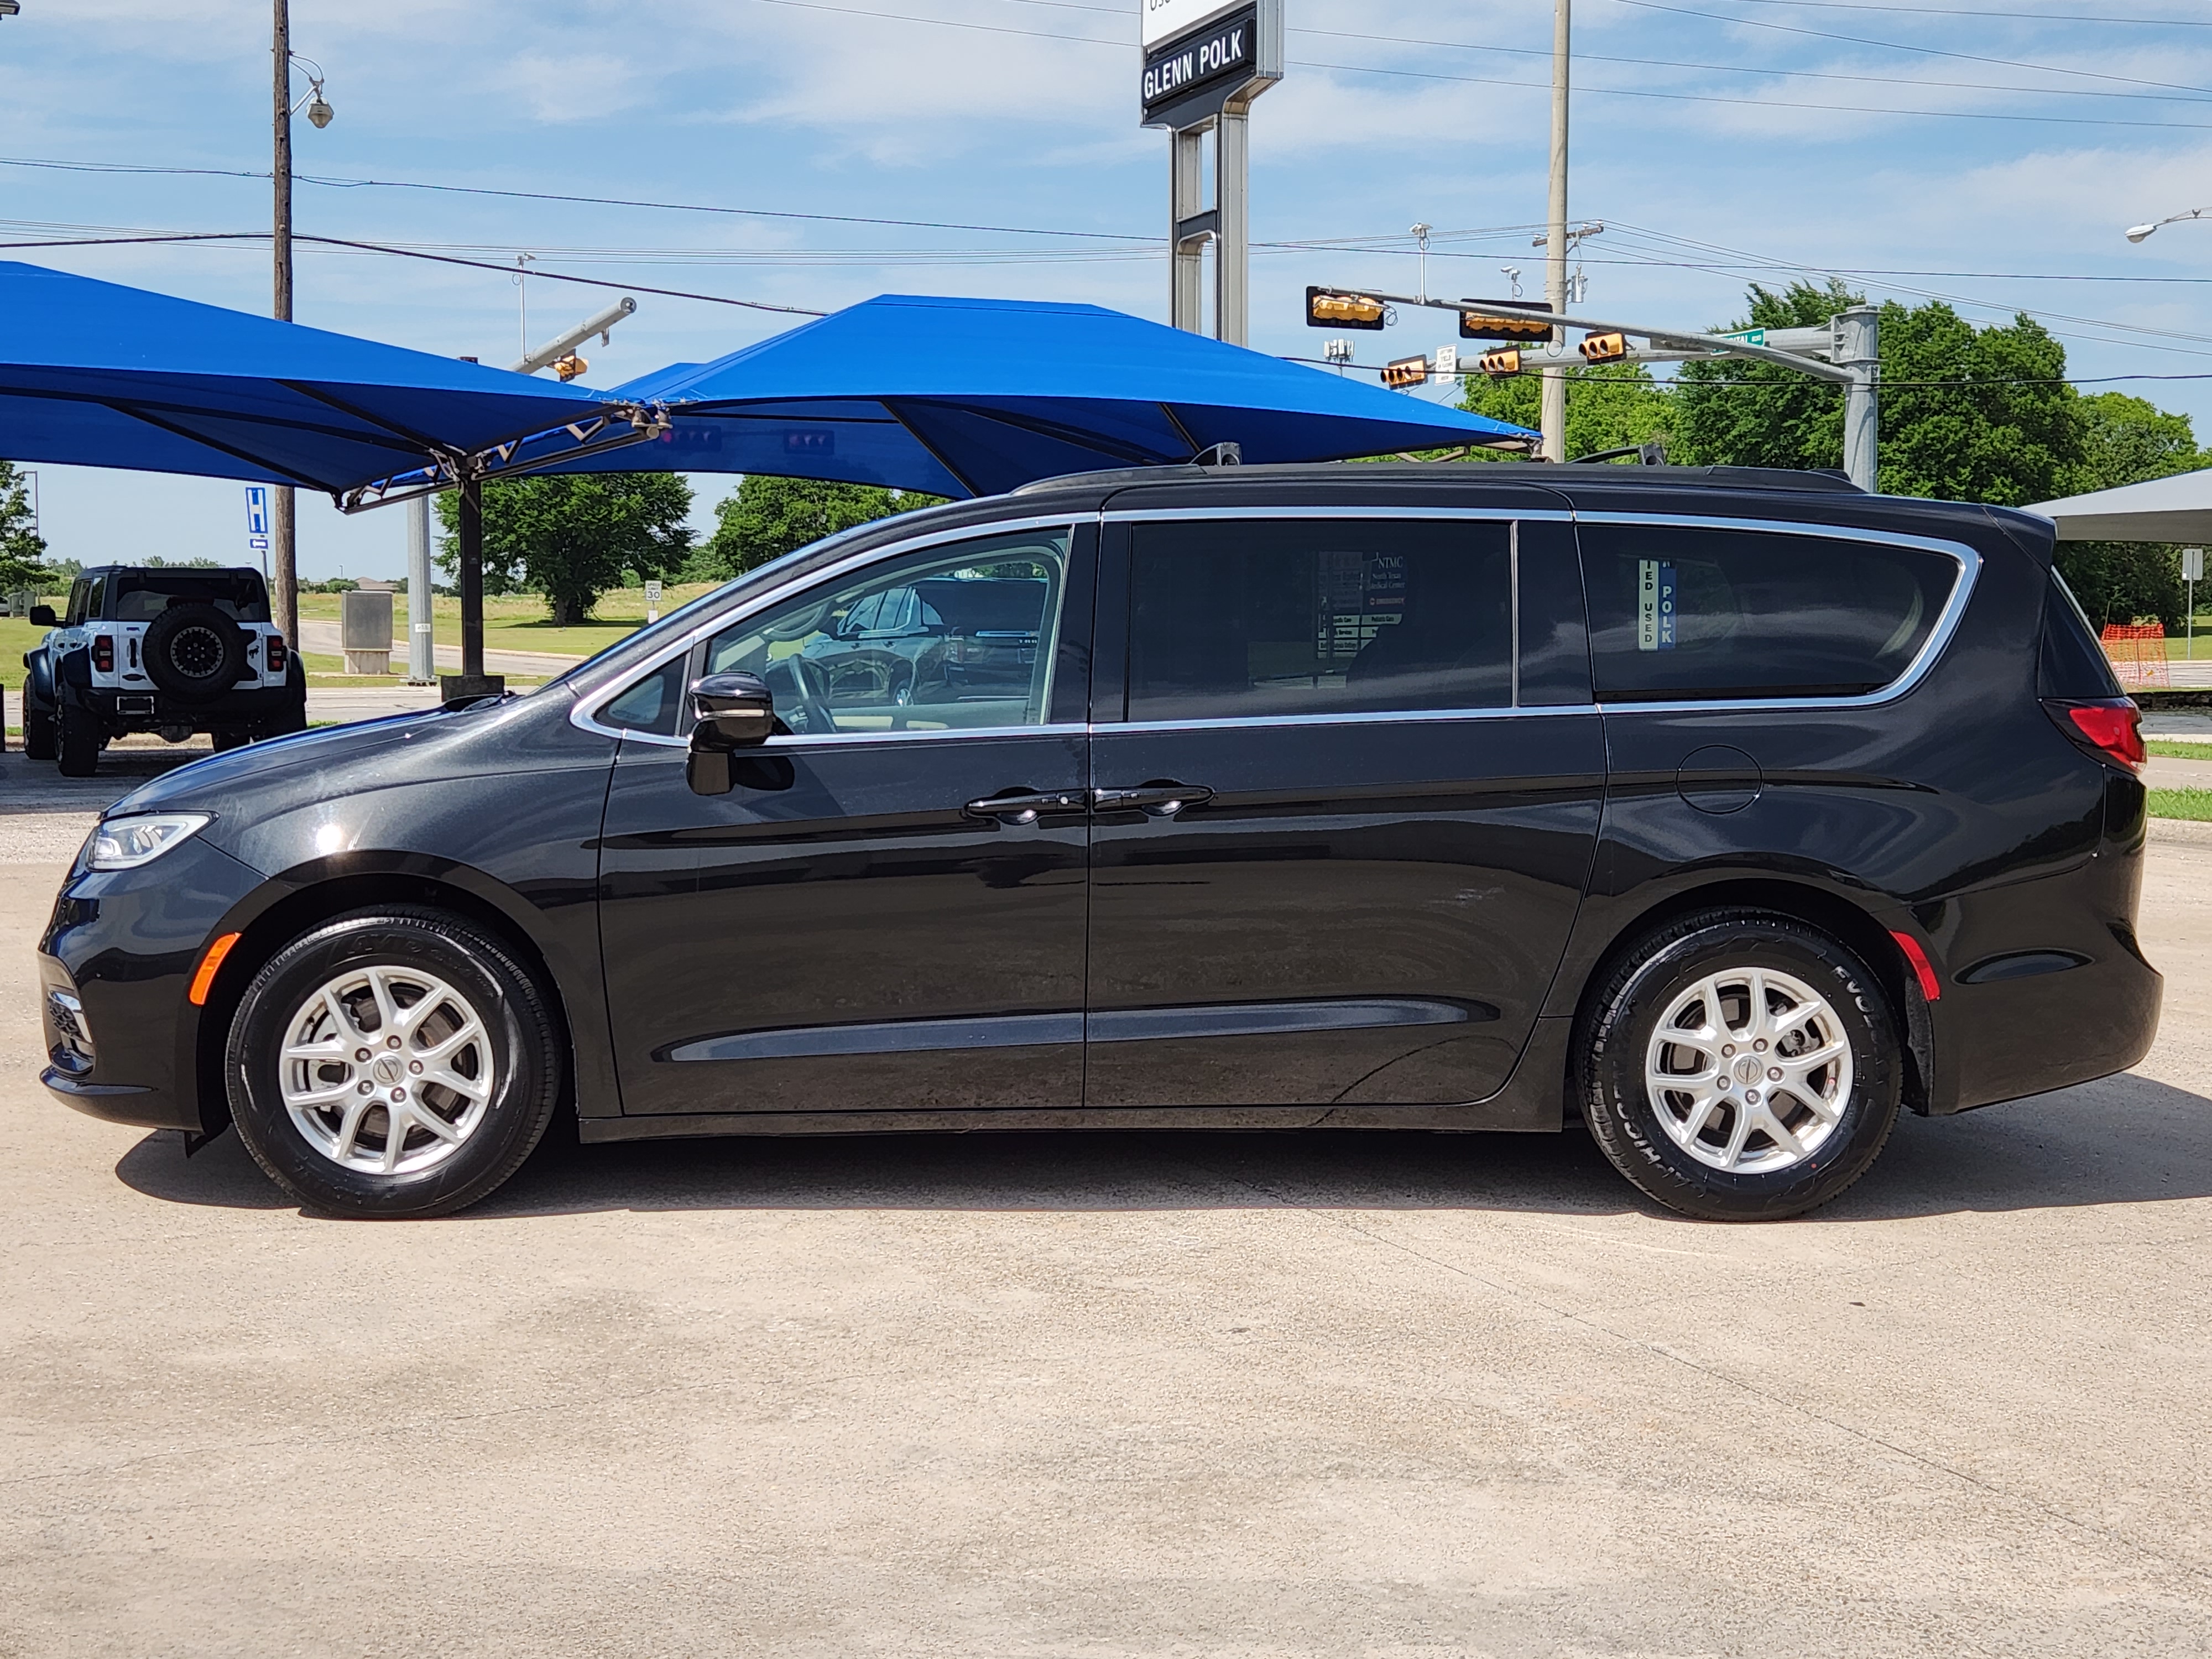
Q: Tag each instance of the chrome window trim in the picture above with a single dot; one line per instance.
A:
(1947, 623)
(1493, 514)
(581, 715)
(1939, 637)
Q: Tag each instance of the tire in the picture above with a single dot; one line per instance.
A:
(37, 732)
(77, 745)
(329, 1145)
(229, 737)
(1703, 1148)
(195, 651)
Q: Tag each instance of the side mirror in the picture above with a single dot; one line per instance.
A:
(42, 616)
(735, 711)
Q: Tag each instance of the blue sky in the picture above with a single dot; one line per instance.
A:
(1720, 141)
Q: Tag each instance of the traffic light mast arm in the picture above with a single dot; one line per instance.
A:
(1681, 345)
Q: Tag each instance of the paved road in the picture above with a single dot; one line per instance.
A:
(1272, 1396)
(328, 638)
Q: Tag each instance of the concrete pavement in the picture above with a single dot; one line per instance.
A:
(1270, 1396)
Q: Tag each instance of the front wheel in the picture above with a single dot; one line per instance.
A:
(1739, 1067)
(392, 1063)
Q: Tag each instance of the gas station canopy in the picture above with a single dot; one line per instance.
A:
(2175, 509)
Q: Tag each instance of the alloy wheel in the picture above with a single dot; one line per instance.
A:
(1749, 1070)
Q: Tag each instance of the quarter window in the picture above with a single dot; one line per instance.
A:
(651, 705)
(959, 637)
(1232, 618)
(1682, 613)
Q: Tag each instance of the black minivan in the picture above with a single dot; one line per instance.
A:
(1727, 811)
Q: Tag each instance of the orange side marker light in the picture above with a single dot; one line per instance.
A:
(203, 981)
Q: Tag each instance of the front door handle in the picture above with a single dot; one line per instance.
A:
(1024, 806)
(1163, 797)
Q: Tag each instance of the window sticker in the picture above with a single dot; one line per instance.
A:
(1654, 604)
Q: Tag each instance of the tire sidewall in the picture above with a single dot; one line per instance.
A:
(526, 1058)
(161, 662)
(1620, 1112)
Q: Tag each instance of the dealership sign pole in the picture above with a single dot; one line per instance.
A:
(1204, 62)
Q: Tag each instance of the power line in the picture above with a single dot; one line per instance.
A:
(413, 253)
(1961, 11)
(549, 196)
(1763, 103)
(1893, 45)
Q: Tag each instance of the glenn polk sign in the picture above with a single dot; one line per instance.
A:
(1202, 55)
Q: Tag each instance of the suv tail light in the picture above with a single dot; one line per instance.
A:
(275, 652)
(103, 652)
(2108, 727)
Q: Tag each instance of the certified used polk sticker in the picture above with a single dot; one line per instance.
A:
(1654, 604)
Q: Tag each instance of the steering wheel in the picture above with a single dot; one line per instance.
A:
(813, 688)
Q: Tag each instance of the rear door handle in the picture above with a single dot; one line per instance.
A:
(1024, 806)
(1161, 799)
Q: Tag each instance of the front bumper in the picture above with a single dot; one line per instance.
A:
(121, 1038)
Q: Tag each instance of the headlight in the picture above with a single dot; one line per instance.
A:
(126, 843)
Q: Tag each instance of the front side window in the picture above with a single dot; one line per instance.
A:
(1682, 613)
(963, 636)
(1234, 618)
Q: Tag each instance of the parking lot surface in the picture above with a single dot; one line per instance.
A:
(1282, 1394)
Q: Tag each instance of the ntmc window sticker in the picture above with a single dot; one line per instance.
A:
(1654, 604)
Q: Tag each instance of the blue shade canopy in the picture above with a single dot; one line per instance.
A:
(93, 374)
(976, 397)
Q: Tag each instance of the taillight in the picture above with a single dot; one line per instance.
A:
(275, 654)
(103, 652)
(2109, 728)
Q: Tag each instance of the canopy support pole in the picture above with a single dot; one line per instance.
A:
(471, 681)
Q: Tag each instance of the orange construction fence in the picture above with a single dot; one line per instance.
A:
(2137, 653)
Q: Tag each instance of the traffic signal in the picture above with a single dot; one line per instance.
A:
(1477, 324)
(1328, 308)
(1604, 348)
(570, 367)
(1501, 365)
(1406, 371)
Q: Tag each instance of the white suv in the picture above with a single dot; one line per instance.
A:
(173, 651)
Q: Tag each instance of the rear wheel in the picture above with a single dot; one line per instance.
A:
(77, 745)
(392, 1064)
(38, 731)
(1739, 1067)
(229, 737)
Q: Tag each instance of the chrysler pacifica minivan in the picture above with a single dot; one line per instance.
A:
(1726, 812)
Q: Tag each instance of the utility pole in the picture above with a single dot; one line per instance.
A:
(1553, 420)
(283, 539)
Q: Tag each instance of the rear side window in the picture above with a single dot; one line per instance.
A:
(1679, 613)
(1232, 618)
(2073, 664)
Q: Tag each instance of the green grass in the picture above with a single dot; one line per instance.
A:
(518, 622)
(2194, 804)
(2177, 749)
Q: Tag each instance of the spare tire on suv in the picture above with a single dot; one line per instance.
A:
(194, 652)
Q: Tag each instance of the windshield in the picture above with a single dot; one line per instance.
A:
(636, 648)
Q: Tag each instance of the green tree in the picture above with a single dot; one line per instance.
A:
(768, 517)
(1613, 406)
(1730, 411)
(573, 538)
(1967, 414)
(22, 549)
